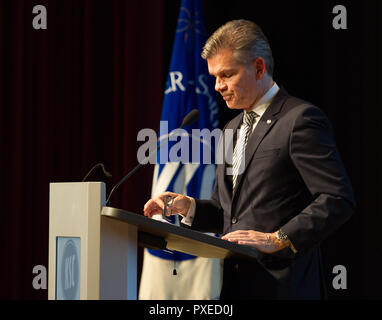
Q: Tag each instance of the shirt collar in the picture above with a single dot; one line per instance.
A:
(265, 100)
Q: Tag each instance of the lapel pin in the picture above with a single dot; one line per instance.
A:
(269, 121)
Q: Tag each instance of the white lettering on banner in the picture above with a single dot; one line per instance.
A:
(201, 88)
(184, 177)
(176, 78)
(163, 181)
(208, 180)
(212, 105)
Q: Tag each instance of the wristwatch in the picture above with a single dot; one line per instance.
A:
(280, 235)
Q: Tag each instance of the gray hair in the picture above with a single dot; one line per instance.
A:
(246, 40)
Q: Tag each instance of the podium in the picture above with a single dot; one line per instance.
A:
(90, 256)
(93, 248)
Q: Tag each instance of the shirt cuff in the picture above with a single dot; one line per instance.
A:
(189, 218)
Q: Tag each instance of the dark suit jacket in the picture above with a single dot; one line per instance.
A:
(294, 179)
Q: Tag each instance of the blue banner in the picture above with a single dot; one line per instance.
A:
(189, 86)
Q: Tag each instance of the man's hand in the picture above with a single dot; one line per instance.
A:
(264, 242)
(180, 205)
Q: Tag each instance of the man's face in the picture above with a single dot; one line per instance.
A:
(236, 82)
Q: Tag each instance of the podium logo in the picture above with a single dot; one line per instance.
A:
(70, 271)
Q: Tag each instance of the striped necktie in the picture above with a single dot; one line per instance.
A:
(249, 119)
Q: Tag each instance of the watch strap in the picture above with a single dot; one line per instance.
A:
(282, 236)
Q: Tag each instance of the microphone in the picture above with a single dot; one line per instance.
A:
(190, 118)
(107, 174)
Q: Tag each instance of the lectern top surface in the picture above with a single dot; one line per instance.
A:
(183, 239)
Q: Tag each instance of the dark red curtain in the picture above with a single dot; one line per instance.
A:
(71, 96)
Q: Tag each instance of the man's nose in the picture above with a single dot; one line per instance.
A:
(220, 85)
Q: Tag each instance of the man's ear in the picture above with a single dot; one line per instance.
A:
(259, 68)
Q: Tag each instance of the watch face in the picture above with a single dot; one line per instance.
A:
(281, 235)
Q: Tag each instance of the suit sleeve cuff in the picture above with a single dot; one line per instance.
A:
(189, 218)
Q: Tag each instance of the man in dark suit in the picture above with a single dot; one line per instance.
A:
(286, 189)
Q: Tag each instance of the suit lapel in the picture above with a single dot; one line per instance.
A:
(265, 123)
